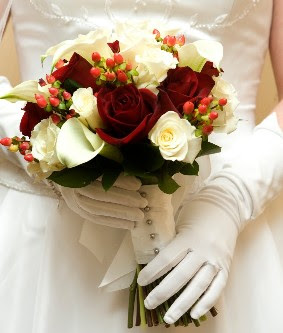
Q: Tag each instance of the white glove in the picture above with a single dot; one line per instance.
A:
(119, 207)
(208, 227)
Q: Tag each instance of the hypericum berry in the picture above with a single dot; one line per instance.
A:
(96, 57)
(69, 116)
(50, 79)
(122, 77)
(67, 95)
(210, 98)
(171, 40)
(24, 146)
(213, 115)
(55, 118)
(202, 109)
(207, 129)
(54, 101)
(41, 101)
(29, 157)
(22, 152)
(95, 72)
(156, 32)
(129, 67)
(59, 64)
(110, 62)
(6, 142)
(188, 107)
(72, 112)
(118, 58)
(222, 101)
(54, 91)
(165, 39)
(205, 101)
(13, 148)
(110, 76)
(181, 40)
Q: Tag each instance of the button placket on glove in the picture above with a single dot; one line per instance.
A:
(157, 228)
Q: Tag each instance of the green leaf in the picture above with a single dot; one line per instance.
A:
(190, 169)
(74, 178)
(71, 85)
(112, 152)
(165, 182)
(109, 177)
(208, 148)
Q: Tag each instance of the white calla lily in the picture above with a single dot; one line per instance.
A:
(196, 54)
(25, 91)
(84, 45)
(76, 144)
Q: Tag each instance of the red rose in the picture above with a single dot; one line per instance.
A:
(32, 116)
(78, 70)
(128, 113)
(183, 84)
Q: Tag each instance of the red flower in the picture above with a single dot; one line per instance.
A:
(210, 70)
(128, 113)
(183, 84)
(78, 69)
(32, 116)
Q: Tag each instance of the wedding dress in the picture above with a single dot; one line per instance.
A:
(50, 270)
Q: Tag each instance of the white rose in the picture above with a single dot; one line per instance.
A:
(226, 121)
(176, 138)
(157, 61)
(43, 140)
(85, 104)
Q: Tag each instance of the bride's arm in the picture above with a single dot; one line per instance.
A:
(276, 51)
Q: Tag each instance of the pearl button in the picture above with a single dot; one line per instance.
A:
(143, 194)
(152, 236)
(147, 209)
(149, 222)
(156, 250)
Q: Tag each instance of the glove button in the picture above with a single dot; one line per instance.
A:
(156, 250)
(146, 209)
(149, 222)
(152, 236)
(143, 194)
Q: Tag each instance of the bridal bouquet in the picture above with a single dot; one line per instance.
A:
(134, 101)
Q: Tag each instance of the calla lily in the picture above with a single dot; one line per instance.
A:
(84, 45)
(76, 144)
(25, 91)
(196, 54)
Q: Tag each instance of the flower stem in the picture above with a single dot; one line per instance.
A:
(213, 312)
(132, 296)
(141, 301)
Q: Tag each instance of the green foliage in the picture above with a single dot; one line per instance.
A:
(208, 148)
(71, 86)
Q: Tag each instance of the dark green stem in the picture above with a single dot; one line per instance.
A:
(132, 296)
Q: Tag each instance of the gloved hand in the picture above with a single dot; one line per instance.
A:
(208, 226)
(119, 207)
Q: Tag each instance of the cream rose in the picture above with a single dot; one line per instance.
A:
(226, 121)
(43, 140)
(176, 138)
(85, 104)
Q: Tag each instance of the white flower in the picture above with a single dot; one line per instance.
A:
(85, 104)
(226, 121)
(157, 61)
(84, 45)
(43, 140)
(176, 138)
(196, 54)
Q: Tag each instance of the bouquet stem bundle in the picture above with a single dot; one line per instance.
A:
(154, 317)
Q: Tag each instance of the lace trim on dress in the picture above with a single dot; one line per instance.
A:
(15, 178)
(52, 10)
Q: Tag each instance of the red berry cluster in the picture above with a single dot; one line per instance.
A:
(169, 43)
(203, 115)
(17, 144)
(58, 103)
(114, 70)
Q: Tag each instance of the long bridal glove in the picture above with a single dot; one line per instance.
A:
(208, 226)
(119, 207)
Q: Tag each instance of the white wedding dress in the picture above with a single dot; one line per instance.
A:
(48, 279)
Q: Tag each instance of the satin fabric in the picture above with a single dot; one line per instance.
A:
(48, 280)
